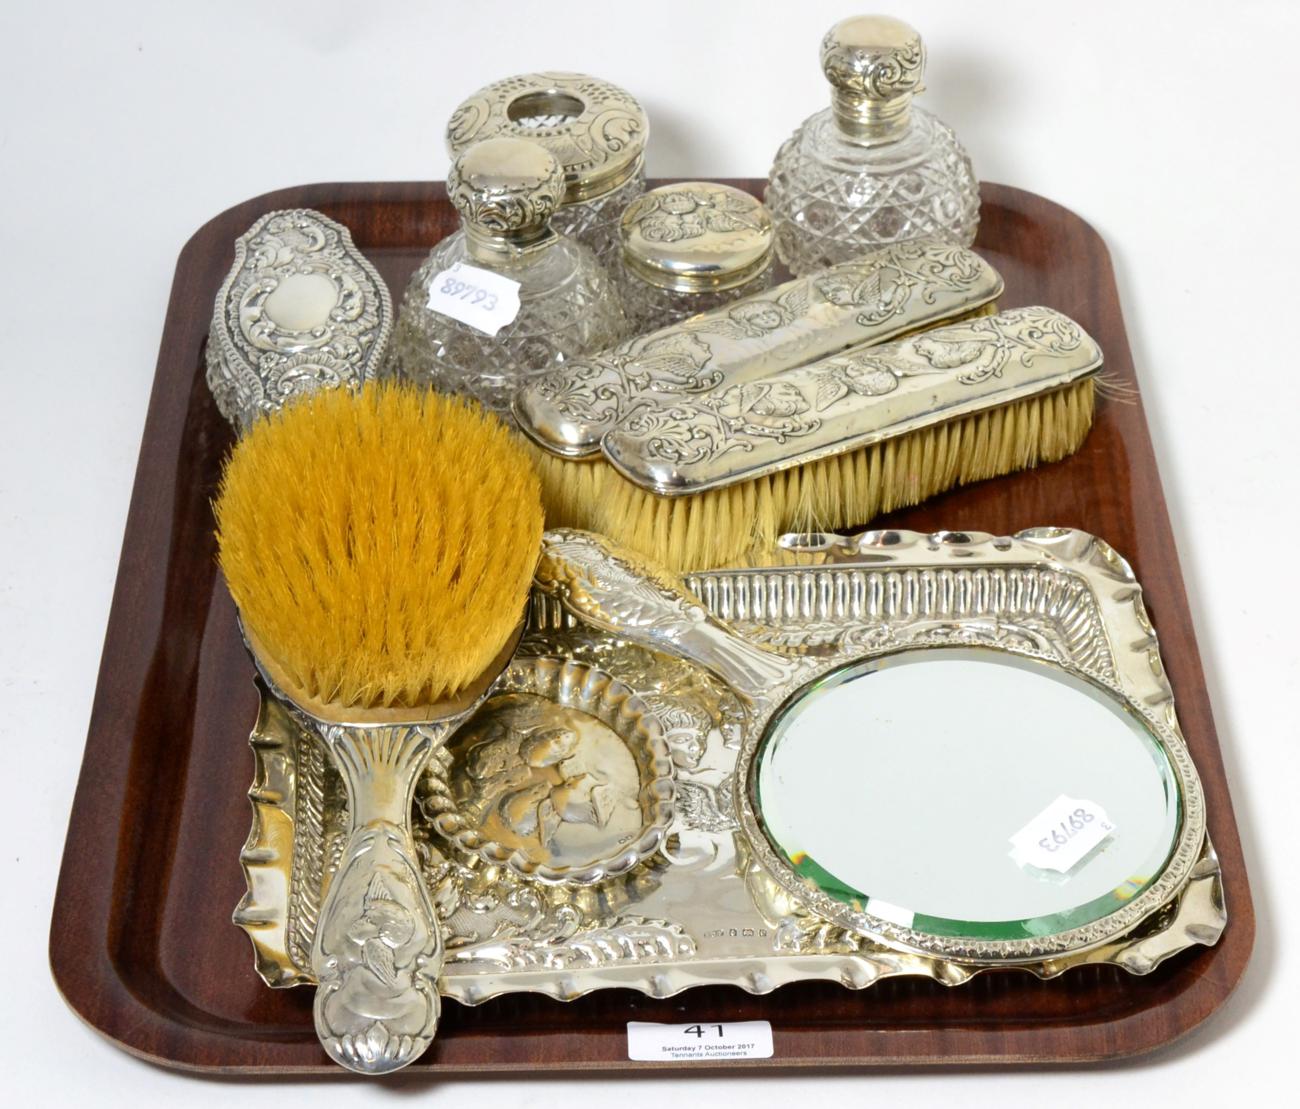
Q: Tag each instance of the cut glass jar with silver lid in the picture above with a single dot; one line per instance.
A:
(690, 247)
(506, 296)
(596, 130)
(872, 169)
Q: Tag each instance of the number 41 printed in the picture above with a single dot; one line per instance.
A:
(699, 1042)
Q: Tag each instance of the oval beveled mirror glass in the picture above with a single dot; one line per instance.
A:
(968, 792)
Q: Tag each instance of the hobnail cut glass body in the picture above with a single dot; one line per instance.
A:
(568, 306)
(649, 307)
(832, 199)
(594, 222)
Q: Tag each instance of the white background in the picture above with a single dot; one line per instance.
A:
(126, 125)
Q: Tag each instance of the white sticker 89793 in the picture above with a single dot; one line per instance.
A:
(485, 300)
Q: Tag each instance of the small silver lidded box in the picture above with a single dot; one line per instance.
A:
(690, 247)
(301, 309)
(596, 131)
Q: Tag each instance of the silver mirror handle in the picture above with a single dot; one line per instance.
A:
(620, 592)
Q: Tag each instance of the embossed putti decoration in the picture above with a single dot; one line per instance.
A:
(871, 300)
(302, 309)
(745, 430)
(715, 904)
(699, 430)
(692, 246)
(691, 211)
(564, 776)
(376, 947)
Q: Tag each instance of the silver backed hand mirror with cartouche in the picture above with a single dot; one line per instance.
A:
(849, 761)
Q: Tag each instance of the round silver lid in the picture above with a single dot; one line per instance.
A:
(875, 64)
(596, 130)
(506, 191)
(696, 235)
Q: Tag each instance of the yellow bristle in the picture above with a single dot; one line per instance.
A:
(721, 526)
(379, 544)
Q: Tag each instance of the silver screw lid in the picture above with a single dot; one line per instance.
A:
(875, 64)
(696, 235)
(506, 191)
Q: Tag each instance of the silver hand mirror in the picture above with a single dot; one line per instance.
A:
(900, 785)
(984, 804)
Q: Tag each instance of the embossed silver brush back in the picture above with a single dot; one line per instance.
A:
(716, 903)
(596, 131)
(741, 431)
(878, 297)
(873, 168)
(738, 427)
(302, 309)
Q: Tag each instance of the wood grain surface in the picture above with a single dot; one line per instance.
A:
(142, 945)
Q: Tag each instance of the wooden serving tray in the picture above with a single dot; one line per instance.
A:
(142, 945)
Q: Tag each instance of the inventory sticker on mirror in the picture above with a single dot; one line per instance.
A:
(484, 300)
(1061, 835)
(698, 1043)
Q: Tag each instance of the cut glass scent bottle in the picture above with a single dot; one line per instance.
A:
(596, 130)
(507, 296)
(872, 169)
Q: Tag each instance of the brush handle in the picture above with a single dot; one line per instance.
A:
(613, 589)
(378, 949)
